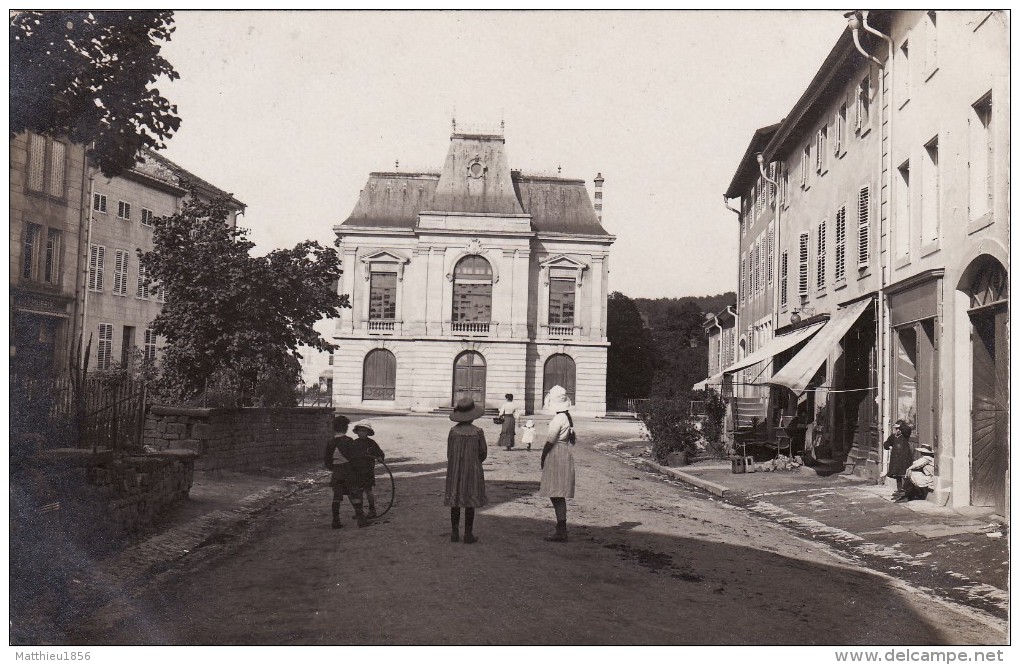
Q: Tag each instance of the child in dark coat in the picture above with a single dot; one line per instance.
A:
(900, 457)
(335, 459)
(361, 479)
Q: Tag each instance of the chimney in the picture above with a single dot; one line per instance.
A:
(598, 195)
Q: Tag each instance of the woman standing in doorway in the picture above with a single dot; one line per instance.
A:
(508, 412)
(558, 460)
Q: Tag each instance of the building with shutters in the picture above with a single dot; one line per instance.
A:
(75, 236)
(886, 187)
(474, 279)
(118, 305)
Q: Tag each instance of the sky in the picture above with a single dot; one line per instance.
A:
(290, 111)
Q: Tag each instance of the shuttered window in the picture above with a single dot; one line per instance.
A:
(104, 352)
(820, 257)
(150, 345)
(54, 244)
(862, 106)
(840, 245)
(97, 266)
(46, 165)
(120, 272)
(802, 277)
(783, 274)
(805, 166)
(142, 290)
(30, 251)
(770, 253)
(743, 277)
(123, 210)
(99, 203)
(863, 227)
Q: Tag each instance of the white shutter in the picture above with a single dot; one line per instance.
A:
(143, 289)
(840, 244)
(802, 278)
(770, 254)
(97, 262)
(120, 269)
(784, 267)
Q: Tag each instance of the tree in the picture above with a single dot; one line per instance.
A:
(630, 361)
(232, 315)
(680, 357)
(87, 76)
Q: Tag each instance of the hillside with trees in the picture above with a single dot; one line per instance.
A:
(658, 345)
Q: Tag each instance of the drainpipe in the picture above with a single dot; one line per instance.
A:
(775, 245)
(736, 319)
(726, 202)
(856, 20)
(84, 273)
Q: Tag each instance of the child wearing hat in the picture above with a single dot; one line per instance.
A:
(920, 475)
(465, 480)
(364, 453)
(900, 457)
(558, 460)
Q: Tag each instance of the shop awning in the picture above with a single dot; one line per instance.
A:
(796, 374)
(774, 346)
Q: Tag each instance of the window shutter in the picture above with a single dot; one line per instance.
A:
(743, 278)
(770, 253)
(104, 352)
(97, 261)
(57, 159)
(802, 278)
(841, 244)
(36, 162)
(120, 268)
(863, 227)
(805, 164)
(783, 274)
(820, 267)
(142, 290)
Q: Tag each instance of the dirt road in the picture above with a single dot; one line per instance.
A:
(648, 562)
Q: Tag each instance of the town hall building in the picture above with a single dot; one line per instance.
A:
(474, 279)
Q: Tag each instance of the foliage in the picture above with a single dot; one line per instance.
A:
(669, 426)
(232, 318)
(715, 412)
(630, 359)
(88, 75)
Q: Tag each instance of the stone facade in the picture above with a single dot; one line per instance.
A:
(243, 439)
(540, 247)
(888, 184)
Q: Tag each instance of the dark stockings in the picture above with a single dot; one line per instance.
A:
(469, 525)
(560, 506)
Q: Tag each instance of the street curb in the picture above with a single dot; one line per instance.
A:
(715, 488)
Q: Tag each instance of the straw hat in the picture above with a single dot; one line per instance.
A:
(925, 449)
(363, 424)
(466, 410)
(557, 400)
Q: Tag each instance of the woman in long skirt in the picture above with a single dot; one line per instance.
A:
(509, 413)
(465, 480)
(558, 460)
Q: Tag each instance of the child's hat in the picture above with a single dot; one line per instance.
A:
(364, 424)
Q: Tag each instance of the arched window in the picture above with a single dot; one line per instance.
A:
(469, 377)
(472, 290)
(560, 371)
(379, 380)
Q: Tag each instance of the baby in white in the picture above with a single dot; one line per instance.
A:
(529, 433)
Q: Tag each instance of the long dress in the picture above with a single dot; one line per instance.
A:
(900, 458)
(509, 431)
(465, 480)
(558, 472)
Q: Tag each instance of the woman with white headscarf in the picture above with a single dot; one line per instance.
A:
(558, 460)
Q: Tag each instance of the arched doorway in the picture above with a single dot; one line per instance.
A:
(560, 371)
(379, 380)
(469, 377)
(989, 316)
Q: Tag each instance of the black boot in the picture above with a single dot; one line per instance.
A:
(469, 526)
(336, 515)
(561, 533)
(454, 525)
(359, 515)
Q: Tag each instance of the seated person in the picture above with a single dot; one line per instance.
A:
(920, 477)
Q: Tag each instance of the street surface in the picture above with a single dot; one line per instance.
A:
(648, 562)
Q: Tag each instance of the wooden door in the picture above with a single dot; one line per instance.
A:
(560, 371)
(380, 378)
(990, 415)
(469, 377)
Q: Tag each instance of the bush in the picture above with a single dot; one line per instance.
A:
(715, 411)
(669, 426)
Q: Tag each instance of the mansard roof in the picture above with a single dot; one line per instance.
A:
(476, 179)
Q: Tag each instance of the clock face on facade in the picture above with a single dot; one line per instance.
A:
(476, 169)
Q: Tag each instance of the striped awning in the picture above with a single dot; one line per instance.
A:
(772, 347)
(797, 373)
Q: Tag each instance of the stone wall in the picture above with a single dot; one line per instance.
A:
(101, 496)
(245, 439)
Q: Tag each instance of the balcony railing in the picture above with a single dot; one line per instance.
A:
(381, 326)
(470, 327)
(561, 331)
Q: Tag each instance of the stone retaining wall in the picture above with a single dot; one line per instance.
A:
(102, 496)
(243, 439)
